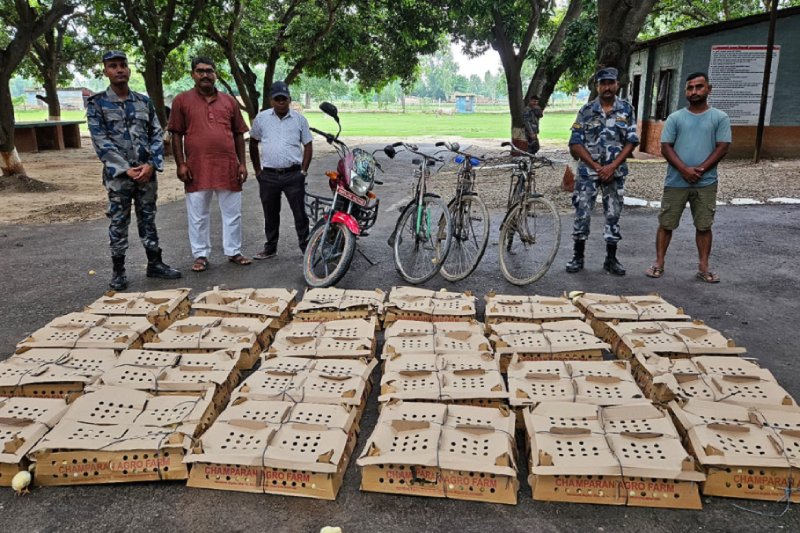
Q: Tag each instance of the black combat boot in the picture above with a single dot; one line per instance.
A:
(119, 282)
(611, 265)
(156, 267)
(576, 265)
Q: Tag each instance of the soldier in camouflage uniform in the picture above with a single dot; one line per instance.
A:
(128, 140)
(530, 117)
(603, 137)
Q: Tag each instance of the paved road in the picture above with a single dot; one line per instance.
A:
(45, 274)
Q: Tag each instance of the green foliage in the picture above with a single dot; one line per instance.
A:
(676, 15)
(18, 101)
(580, 49)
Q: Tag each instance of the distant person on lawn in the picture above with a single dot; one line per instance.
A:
(129, 141)
(694, 140)
(208, 142)
(530, 117)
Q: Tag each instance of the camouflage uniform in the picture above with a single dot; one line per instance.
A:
(604, 136)
(531, 119)
(126, 135)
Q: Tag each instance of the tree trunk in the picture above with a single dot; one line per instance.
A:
(10, 164)
(153, 81)
(550, 70)
(51, 96)
(516, 105)
(403, 101)
(618, 24)
(239, 77)
(269, 75)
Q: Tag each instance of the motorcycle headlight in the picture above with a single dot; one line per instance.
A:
(358, 185)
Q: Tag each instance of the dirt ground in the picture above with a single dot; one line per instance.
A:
(66, 186)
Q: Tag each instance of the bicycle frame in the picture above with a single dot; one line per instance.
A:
(423, 175)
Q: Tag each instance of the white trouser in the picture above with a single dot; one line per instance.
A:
(198, 209)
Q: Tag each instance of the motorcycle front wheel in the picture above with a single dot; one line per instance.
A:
(326, 260)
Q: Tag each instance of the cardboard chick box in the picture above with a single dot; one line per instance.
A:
(408, 336)
(412, 303)
(161, 308)
(85, 330)
(731, 380)
(442, 451)
(53, 372)
(623, 455)
(23, 422)
(529, 309)
(602, 308)
(569, 340)
(467, 379)
(293, 449)
(264, 304)
(178, 374)
(602, 383)
(353, 339)
(121, 435)
(198, 334)
(747, 453)
(321, 305)
(668, 339)
(326, 381)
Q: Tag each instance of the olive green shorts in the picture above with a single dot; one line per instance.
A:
(702, 201)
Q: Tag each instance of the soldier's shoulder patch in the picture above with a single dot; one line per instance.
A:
(622, 119)
(577, 126)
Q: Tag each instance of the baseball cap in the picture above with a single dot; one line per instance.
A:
(606, 74)
(279, 88)
(114, 54)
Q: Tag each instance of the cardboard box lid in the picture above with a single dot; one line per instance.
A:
(719, 379)
(336, 338)
(562, 326)
(332, 298)
(451, 437)
(730, 435)
(416, 362)
(327, 381)
(74, 435)
(675, 337)
(402, 328)
(205, 333)
(90, 360)
(436, 343)
(603, 383)
(23, 422)
(551, 341)
(18, 373)
(271, 303)
(637, 440)
(306, 437)
(531, 307)
(85, 330)
(430, 302)
(649, 307)
(151, 303)
(169, 371)
(443, 385)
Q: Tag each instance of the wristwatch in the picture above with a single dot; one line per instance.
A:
(304, 173)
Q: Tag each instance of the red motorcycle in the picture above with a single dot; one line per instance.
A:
(339, 221)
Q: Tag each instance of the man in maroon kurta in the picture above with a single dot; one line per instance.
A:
(208, 142)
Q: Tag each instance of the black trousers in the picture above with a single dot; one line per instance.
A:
(271, 185)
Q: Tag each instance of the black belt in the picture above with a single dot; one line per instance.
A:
(280, 171)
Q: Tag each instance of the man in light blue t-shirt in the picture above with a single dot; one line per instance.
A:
(694, 140)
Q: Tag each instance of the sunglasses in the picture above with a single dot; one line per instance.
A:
(206, 71)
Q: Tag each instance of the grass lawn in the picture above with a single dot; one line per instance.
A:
(553, 125)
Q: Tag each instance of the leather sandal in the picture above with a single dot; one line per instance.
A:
(200, 264)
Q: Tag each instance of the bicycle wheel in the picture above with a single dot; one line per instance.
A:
(529, 239)
(325, 263)
(418, 254)
(470, 237)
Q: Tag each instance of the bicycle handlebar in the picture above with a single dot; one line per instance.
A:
(542, 160)
(413, 148)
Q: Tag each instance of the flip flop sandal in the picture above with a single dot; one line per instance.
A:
(656, 272)
(239, 259)
(200, 264)
(708, 277)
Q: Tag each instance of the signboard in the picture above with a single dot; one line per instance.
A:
(736, 73)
